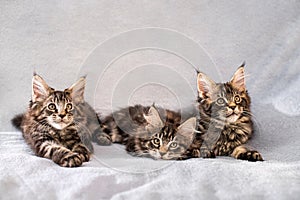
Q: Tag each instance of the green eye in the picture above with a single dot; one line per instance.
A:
(51, 106)
(156, 141)
(69, 106)
(173, 145)
(220, 101)
(237, 98)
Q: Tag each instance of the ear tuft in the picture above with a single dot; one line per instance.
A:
(238, 79)
(187, 128)
(205, 86)
(40, 89)
(77, 90)
(153, 118)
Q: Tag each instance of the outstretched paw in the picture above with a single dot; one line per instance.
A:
(70, 160)
(252, 156)
(83, 152)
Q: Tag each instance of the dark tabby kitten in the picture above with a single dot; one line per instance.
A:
(225, 115)
(59, 124)
(145, 134)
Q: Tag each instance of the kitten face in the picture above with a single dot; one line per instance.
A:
(164, 145)
(168, 142)
(226, 101)
(59, 110)
(56, 108)
(167, 145)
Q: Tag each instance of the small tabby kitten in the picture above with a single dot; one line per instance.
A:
(225, 115)
(59, 124)
(145, 134)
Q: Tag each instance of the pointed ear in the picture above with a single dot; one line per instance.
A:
(205, 86)
(153, 118)
(238, 79)
(40, 89)
(187, 128)
(77, 90)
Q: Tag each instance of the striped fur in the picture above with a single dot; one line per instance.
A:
(145, 134)
(59, 124)
(226, 123)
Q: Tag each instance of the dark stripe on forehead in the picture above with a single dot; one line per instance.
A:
(220, 90)
(60, 96)
(168, 132)
(171, 132)
(227, 88)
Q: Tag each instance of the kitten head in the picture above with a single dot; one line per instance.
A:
(167, 141)
(224, 101)
(55, 108)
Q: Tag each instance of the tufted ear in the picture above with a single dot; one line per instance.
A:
(187, 128)
(153, 118)
(238, 79)
(77, 90)
(205, 86)
(40, 89)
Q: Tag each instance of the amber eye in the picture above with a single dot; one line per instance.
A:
(69, 106)
(156, 141)
(237, 99)
(220, 101)
(51, 106)
(173, 145)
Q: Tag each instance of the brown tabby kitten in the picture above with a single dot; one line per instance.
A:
(144, 133)
(59, 124)
(225, 115)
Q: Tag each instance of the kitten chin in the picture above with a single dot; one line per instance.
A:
(232, 118)
(59, 126)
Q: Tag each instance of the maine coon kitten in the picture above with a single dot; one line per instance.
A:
(59, 124)
(145, 134)
(225, 115)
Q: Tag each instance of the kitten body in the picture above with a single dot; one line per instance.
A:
(225, 118)
(58, 124)
(145, 134)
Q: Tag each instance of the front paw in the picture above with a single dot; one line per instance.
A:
(252, 156)
(70, 160)
(83, 152)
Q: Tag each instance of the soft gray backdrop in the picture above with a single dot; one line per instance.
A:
(55, 38)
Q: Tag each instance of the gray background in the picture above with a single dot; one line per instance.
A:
(55, 38)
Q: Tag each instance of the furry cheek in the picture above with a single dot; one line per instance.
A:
(154, 153)
(68, 118)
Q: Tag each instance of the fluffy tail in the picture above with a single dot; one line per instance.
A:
(17, 121)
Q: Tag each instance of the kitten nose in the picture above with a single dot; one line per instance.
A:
(61, 115)
(232, 106)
